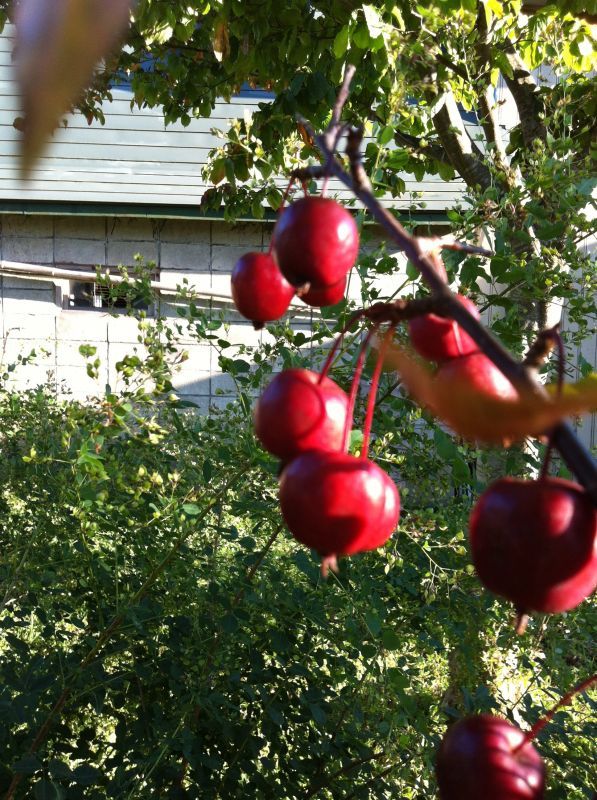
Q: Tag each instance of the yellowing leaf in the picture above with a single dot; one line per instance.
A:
(58, 45)
(220, 43)
(483, 418)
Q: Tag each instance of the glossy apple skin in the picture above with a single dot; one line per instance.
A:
(328, 296)
(338, 504)
(316, 241)
(479, 373)
(476, 761)
(259, 290)
(297, 412)
(535, 543)
(439, 338)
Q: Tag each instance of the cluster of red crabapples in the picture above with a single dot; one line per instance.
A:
(314, 246)
(533, 542)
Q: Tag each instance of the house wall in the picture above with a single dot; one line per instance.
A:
(202, 252)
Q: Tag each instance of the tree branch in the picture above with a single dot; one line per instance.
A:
(575, 455)
(487, 115)
(463, 153)
(431, 149)
(525, 91)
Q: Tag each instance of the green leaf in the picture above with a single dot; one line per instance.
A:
(191, 509)
(373, 623)
(386, 135)
(373, 20)
(86, 775)
(391, 640)
(341, 42)
(361, 37)
(27, 765)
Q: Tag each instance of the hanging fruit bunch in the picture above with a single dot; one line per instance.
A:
(313, 248)
(334, 502)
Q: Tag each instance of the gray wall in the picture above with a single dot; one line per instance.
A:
(32, 313)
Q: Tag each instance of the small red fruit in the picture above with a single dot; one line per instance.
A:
(298, 412)
(327, 296)
(535, 543)
(485, 758)
(316, 241)
(338, 504)
(477, 372)
(439, 338)
(259, 290)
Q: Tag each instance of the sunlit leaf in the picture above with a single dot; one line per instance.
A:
(484, 419)
(58, 45)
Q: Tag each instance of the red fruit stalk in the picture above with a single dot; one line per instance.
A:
(566, 700)
(373, 391)
(354, 386)
(281, 209)
(338, 341)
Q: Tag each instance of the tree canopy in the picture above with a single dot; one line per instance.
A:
(429, 84)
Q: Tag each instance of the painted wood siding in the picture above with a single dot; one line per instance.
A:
(133, 158)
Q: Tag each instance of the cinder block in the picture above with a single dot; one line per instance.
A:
(86, 252)
(197, 384)
(26, 285)
(183, 256)
(225, 256)
(190, 231)
(33, 327)
(199, 358)
(124, 252)
(80, 228)
(201, 402)
(31, 376)
(82, 326)
(222, 382)
(248, 235)
(28, 250)
(239, 333)
(68, 355)
(26, 225)
(42, 353)
(23, 301)
(76, 383)
(131, 229)
(187, 281)
(122, 329)
(220, 284)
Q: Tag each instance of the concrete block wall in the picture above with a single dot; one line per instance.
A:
(200, 252)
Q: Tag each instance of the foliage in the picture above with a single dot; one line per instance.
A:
(159, 634)
(147, 586)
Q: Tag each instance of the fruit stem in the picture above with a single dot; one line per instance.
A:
(338, 341)
(282, 204)
(354, 388)
(566, 700)
(555, 335)
(373, 390)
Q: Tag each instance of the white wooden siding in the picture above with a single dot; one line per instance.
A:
(134, 159)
